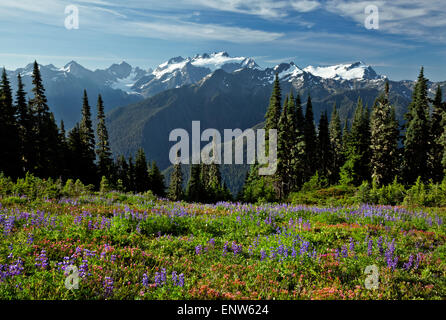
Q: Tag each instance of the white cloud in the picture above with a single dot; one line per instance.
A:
(421, 20)
(305, 5)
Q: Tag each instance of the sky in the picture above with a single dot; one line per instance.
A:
(395, 37)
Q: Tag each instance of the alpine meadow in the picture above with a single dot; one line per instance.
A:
(349, 205)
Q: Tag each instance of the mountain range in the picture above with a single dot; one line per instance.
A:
(221, 91)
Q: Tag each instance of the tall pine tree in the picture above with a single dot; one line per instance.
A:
(335, 132)
(384, 140)
(88, 155)
(437, 149)
(10, 160)
(311, 156)
(416, 139)
(142, 179)
(325, 151)
(44, 159)
(105, 162)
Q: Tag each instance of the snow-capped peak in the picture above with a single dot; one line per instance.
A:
(213, 61)
(351, 71)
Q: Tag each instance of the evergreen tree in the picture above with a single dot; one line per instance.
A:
(358, 144)
(437, 149)
(142, 180)
(25, 125)
(298, 159)
(273, 113)
(284, 143)
(10, 160)
(416, 140)
(122, 172)
(131, 175)
(175, 192)
(311, 156)
(156, 179)
(44, 159)
(325, 151)
(103, 152)
(64, 152)
(88, 155)
(335, 132)
(194, 187)
(384, 140)
(443, 143)
(75, 147)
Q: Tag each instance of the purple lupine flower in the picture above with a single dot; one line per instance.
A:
(198, 249)
(262, 255)
(145, 280)
(370, 248)
(344, 251)
(272, 253)
(379, 242)
(163, 276)
(417, 261)
(158, 279)
(42, 260)
(304, 247)
(30, 239)
(174, 278)
(16, 268)
(83, 269)
(212, 242)
(181, 280)
(352, 245)
(225, 249)
(108, 286)
(337, 253)
(236, 248)
(409, 263)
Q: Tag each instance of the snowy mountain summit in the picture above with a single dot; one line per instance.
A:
(352, 71)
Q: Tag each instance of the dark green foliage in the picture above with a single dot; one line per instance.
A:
(142, 180)
(384, 141)
(194, 190)
(88, 155)
(335, 132)
(122, 173)
(273, 112)
(156, 179)
(325, 150)
(357, 145)
(43, 158)
(310, 138)
(103, 152)
(10, 159)
(175, 192)
(285, 141)
(25, 125)
(437, 129)
(298, 147)
(416, 141)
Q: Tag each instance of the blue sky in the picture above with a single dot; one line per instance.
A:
(146, 33)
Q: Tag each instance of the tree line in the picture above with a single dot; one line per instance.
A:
(31, 141)
(375, 147)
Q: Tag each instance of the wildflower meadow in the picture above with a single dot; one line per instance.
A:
(123, 246)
